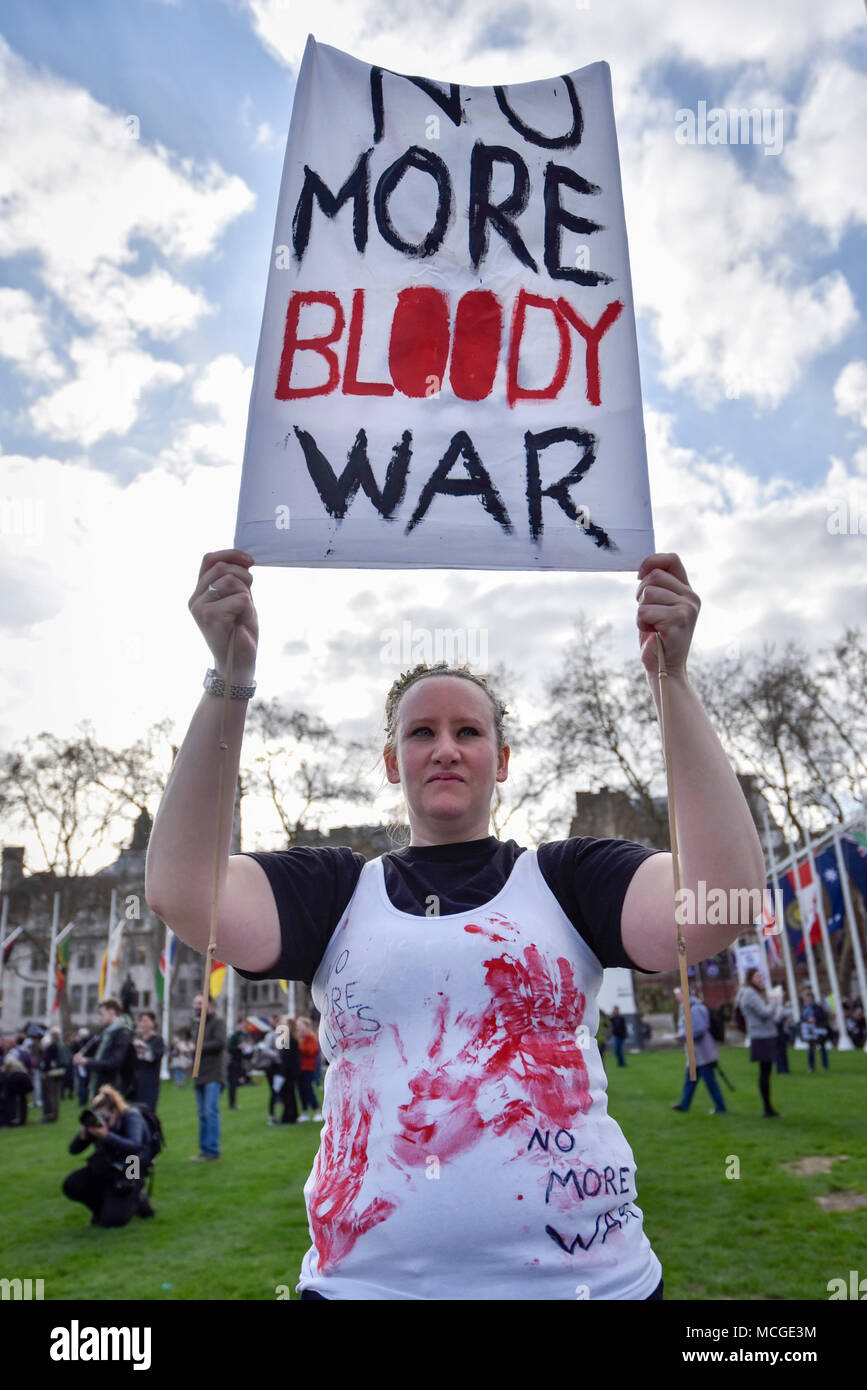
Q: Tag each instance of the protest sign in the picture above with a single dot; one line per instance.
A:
(447, 374)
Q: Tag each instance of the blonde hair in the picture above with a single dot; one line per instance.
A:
(113, 1097)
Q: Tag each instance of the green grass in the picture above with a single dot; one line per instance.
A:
(237, 1229)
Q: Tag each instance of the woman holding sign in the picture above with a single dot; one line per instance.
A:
(467, 1151)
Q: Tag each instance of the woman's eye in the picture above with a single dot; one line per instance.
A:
(424, 728)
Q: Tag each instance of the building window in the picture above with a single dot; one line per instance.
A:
(36, 961)
(85, 960)
(41, 1009)
(181, 991)
(75, 999)
(92, 998)
(27, 999)
(254, 993)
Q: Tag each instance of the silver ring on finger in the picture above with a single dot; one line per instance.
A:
(214, 591)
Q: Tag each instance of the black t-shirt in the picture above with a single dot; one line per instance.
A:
(312, 886)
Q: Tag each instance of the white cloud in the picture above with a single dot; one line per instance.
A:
(104, 398)
(734, 313)
(850, 392)
(23, 338)
(829, 149)
(224, 385)
(80, 196)
(454, 41)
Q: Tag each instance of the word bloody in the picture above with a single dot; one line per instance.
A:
(422, 336)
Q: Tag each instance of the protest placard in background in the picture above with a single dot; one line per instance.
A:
(447, 374)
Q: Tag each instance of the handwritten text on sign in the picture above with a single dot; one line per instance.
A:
(447, 373)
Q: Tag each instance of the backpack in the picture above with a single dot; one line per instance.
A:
(155, 1129)
(717, 1025)
(738, 1019)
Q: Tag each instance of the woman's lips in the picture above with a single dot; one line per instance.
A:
(445, 777)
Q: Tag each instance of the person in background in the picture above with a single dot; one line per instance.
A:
(618, 1034)
(17, 1084)
(105, 1055)
(814, 1029)
(67, 1084)
(308, 1048)
(149, 1048)
(53, 1062)
(209, 1082)
(82, 1077)
(706, 1054)
(760, 1016)
(235, 1069)
(784, 1030)
(109, 1184)
(286, 1070)
(855, 1023)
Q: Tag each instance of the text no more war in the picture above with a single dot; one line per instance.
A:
(421, 335)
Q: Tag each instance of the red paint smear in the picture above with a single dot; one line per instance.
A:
(492, 936)
(526, 1034)
(339, 1170)
(441, 1013)
(393, 1027)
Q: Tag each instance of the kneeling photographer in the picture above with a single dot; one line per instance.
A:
(110, 1184)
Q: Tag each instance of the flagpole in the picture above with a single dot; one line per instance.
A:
(107, 994)
(61, 937)
(5, 941)
(844, 1043)
(784, 935)
(853, 922)
(165, 1072)
(230, 1001)
(52, 959)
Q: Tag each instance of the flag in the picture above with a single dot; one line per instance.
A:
(829, 879)
(161, 968)
(61, 969)
(112, 949)
(770, 929)
(218, 976)
(855, 858)
(10, 942)
(284, 985)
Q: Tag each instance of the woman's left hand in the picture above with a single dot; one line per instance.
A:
(667, 605)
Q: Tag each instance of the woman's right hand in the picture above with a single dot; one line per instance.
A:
(229, 572)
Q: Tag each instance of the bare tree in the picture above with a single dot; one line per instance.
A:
(300, 764)
(600, 728)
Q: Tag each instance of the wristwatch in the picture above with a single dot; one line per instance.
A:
(215, 685)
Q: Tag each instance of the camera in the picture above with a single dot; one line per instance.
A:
(92, 1119)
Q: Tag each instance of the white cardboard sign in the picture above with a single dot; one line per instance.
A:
(447, 374)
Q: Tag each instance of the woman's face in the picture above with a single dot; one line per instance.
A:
(447, 759)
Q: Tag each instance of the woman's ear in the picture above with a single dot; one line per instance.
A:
(392, 770)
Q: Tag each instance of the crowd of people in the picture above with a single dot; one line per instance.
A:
(114, 1073)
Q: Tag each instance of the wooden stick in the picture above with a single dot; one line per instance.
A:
(221, 796)
(675, 860)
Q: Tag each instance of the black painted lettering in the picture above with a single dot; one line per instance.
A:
(564, 1148)
(479, 484)
(427, 163)
(500, 215)
(356, 187)
(537, 1138)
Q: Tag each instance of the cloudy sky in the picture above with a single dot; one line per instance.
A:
(141, 148)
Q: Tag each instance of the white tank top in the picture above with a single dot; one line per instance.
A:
(467, 1151)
